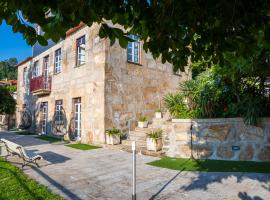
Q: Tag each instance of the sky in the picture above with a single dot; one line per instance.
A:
(12, 44)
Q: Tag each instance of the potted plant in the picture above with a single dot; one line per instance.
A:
(142, 123)
(113, 136)
(158, 113)
(154, 140)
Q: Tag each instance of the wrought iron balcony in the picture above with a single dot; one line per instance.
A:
(40, 85)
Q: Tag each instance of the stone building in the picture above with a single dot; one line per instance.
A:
(97, 86)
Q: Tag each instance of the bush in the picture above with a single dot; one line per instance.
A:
(113, 131)
(142, 119)
(155, 135)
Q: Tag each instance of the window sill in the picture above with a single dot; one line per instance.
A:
(134, 63)
(56, 73)
(77, 66)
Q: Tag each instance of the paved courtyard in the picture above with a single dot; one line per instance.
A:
(107, 174)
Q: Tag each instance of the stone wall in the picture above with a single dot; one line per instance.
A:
(224, 139)
(133, 89)
(85, 81)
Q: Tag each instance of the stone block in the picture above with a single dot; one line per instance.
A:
(247, 153)
(264, 154)
(224, 151)
(252, 133)
(216, 132)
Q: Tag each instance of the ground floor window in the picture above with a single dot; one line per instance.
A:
(44, 117)
(77, 109)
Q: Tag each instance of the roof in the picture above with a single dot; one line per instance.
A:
(24, 61)
(75, 29)
(8, 82)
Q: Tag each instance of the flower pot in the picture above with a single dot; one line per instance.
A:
(158, 115)
(143, 124)
(113, 139)
(153, 144)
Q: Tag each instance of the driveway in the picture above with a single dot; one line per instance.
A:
(107, 174)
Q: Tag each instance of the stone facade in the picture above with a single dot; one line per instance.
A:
(224, 139)
(113, 92)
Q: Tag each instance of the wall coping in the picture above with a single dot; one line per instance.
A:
(217, 120)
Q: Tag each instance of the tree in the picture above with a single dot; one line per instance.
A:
(174, 29)
(7, 102)
(8, 69)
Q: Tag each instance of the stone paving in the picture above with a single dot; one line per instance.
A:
(107, 174)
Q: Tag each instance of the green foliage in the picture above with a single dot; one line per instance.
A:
(83, 147)
(176, 106)
(158, 110)
(155, 134)
(174, 29)
(50, 139)
(142, 119)
(113, 131)
(16, 185)
(8, 69)
(11, 88)
(222, 92)
(7, 102)
(182, 164)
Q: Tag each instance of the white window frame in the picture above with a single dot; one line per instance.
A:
(80, 43)
(57, 61)
(35, 72)
(131, 49)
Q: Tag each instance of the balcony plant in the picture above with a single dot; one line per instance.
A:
(154, 140)
(158, 113)
(113, 136)
(142, 123)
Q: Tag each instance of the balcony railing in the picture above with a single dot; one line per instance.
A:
(40, 85)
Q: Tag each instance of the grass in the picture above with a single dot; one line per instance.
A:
(182, 164)
(14, 184)
(49, 139)
(82, 146)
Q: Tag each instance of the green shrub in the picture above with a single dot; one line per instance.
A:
(155, 134)
(113, 131)
(158, 110)
(142, 119)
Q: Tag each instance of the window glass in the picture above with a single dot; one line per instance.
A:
(80, 50)
(35, 72)
(133, 50)
(57, 61)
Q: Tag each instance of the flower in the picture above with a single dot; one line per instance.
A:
(225, 109)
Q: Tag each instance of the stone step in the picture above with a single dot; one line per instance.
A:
(143, 130)
(138, 143)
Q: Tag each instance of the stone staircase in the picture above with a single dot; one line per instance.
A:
(139, 136)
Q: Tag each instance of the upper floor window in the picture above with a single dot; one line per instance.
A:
(80, 43)
(35, 72)
(133, 50)
(57, 61)
(24, 75)
(46, 66)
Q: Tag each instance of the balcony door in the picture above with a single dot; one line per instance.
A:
(46, 72)
(77, 106)
(44, 119)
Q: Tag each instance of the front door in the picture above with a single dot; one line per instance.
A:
(46, 72)
(44, 120)
(77, 112)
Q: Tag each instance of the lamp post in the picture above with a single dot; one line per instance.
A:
(134, 170)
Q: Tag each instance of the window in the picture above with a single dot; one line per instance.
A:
(58, 111)
(44, 119)
(80, 43)
(133, 50)
(25, 76)
(35, 72)
(77, 118)
(57, 61)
